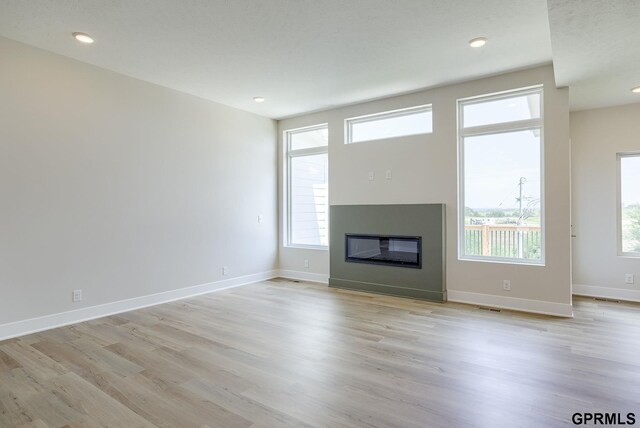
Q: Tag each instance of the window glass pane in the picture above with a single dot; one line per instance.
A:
(502, 182)
(309, 138)
(520, 107)
(630, 201)
(309, 200)
(411, 123)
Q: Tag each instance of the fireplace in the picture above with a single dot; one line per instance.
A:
(389, 249)
(401, 251)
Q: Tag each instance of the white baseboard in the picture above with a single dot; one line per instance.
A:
(304, 276)
(606, 292)
(512, 303)
(34, 325)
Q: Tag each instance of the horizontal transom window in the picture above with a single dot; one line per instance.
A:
(390, 124)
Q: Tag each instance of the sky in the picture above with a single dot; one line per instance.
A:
(494, 164)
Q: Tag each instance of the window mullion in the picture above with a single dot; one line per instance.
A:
(308, 152)
(495, 128)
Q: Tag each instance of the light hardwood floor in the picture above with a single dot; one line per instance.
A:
(285, 354)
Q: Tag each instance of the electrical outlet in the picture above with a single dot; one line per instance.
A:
(259, 218)
(76, 296)
(371, 176)
(389, 176)
(306, 264)
(628, 278)
(506, 285)
(225, 270)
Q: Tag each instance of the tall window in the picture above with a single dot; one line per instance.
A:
(629, 204)
(307, 186)
(501, 176)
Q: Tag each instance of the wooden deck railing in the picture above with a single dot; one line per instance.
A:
(503, 241)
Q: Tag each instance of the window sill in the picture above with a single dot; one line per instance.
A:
(539, 263)
(629, 255)
(307, 247)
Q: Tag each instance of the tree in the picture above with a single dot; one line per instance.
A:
(470, 212)
(496, 212)
(530, 210)
(633, 215)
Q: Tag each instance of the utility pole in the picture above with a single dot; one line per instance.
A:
(521, 218)
(520, 199)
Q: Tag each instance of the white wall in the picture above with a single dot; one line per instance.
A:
(123, 188)
(424, 170)
(596, 137)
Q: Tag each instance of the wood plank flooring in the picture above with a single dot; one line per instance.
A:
(285, 354)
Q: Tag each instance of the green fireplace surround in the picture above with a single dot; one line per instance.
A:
(424, 220)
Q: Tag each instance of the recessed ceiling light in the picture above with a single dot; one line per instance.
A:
(636, 90)
(82, 37)
(478, 42)
(258, 99)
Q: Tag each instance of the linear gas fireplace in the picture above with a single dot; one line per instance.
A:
(401, 251)
(370, 245)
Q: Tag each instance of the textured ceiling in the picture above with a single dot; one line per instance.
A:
(596, 50)
(302, 55)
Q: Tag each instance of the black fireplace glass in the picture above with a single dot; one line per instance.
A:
(402, 251)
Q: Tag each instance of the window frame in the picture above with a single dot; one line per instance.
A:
(492, 129)
(619, 157)
(349, 122)
(289, 154)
